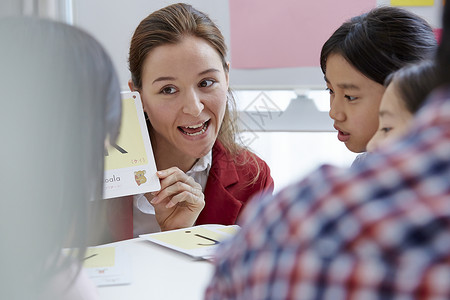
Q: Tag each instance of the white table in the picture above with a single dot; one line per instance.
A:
(159, 273)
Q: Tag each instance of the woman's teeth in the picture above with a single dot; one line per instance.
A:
(195, 126)
(194, 129)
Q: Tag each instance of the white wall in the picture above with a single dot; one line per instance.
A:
(113, 23)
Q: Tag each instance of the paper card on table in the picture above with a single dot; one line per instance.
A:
(412, 2)
(199, 241)
(129, 165)
(107, 266)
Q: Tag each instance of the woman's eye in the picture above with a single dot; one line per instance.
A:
(330, 91)
(168, 90)
(350, 98)
(386, 129)
(206, 83)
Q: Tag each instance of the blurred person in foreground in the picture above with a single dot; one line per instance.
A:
(60, 104)
(376, 231)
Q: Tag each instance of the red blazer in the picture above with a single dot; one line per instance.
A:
(227, 191)
(229, 185)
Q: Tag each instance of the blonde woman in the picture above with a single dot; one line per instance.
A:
(178, 65)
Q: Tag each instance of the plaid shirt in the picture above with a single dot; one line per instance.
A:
(377, 231)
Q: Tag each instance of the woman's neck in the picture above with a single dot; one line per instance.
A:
(168, 159)
(167, 156)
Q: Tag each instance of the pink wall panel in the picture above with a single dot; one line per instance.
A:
(285, 33)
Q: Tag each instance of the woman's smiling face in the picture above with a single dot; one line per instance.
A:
(184, 93)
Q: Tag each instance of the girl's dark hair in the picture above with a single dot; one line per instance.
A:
(381, 41)
(413, 83)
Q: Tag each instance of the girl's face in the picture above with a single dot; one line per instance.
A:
(184, 93)
(354, 103)
(394, 118)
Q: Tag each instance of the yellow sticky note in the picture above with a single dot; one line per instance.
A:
(99, 257)
(412, 2)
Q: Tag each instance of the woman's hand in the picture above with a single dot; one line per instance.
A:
(180, 200)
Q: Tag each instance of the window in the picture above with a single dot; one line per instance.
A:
(291, 131)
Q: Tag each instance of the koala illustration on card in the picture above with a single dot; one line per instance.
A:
(139, 177)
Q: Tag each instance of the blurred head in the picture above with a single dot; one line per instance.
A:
(369, 47)
(61, 100)
(178, 64)
(407, 89)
